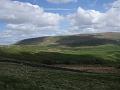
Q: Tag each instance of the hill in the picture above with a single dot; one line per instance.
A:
(74, 40)
(85, 49)
(28, 65)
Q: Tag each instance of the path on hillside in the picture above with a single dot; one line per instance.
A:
(73, 68)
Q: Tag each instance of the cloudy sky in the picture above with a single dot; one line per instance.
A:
(21, 19)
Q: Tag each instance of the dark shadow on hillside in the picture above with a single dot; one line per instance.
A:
(91, 40)
(55, 58)
(31, 41)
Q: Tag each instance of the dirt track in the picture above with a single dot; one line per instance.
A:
(96, 69)
(73, 68)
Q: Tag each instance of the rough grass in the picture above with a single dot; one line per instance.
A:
(19, 77)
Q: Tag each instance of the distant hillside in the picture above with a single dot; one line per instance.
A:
(74, 40)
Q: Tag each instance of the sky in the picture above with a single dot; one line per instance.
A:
(21, 19)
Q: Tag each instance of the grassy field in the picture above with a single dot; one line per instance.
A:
(20, 77)
(101, 55)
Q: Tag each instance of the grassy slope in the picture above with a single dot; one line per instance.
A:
(19, 77)
(104, 54)
(110, 35)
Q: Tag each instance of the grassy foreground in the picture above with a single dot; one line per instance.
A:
(20, 77)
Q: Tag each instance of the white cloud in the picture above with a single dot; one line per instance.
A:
(88, 21)
(16, 12)
(61, 1)
(25, 20)
(58, 9)
(17, 32)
